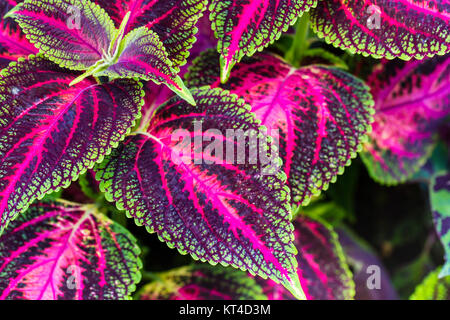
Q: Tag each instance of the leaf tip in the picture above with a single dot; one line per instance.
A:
(225, 70)
(76, 81)
(183, 92)
(189, 98)
(294, 286)
(11, 13)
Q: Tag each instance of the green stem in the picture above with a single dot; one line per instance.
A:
(300, 44)
(99, 66)
(150, 276)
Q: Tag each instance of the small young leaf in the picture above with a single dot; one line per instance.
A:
(73, 33)
(202, 282)
(51, 133)
(245, 26)
(67, 252)
(385, 28)
(142, 55)
(440, 207)
(172, 20)
(322, 114)
(13, 43)
(433, 288)
(207, 203)
(411, 99)
(322, 268)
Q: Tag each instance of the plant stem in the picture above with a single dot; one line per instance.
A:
(97, 79)
(120, 218)
(300, 44)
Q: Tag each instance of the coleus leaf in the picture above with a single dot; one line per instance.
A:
(384, 28)
(214, 209)
(172, 20)
(72, 33)
(322, 114)
(80, 35)
(440, 207)
(67, 252)
(202, 282)
(322, 268)
(433, 288)
(13, 43)
(51, 133)
(142, 55)
(411, 99)
(245, 26)
(205, 39)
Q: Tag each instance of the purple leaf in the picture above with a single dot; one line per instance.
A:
(51, 133)
(72, 33)
(321, 113)
(245, 26)
(202, 282)
(385, 28)
(440, 206)
(13, 43)
(67, 252)
(173, 20)
(322, 270)
(322, 267)
(411, 99)
(211, 205)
